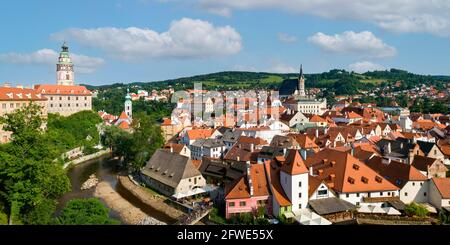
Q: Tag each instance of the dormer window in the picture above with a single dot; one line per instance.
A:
(355, 166)
(378, 179)
(351, 180)
(364, 180)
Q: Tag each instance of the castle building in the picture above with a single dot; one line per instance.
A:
(12, 99)
(65, 97)
(64, 69)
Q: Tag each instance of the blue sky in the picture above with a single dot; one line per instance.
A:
(149, 40)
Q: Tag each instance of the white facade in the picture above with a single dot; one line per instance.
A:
(317, 107)
(357, 198)
(296, 188)
(188, 184)
(406, 123)
(435, 197)
(414, 191)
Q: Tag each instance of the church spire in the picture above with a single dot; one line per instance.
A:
(301, 83)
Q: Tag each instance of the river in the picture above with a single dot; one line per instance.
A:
(105, 169)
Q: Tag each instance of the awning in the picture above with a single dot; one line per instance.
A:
(289, 215)
(196, 191)
(307, 217)
(391, 211)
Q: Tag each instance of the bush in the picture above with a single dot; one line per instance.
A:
(415, 209)
(85, 212)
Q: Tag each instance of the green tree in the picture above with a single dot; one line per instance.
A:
(414, 209)
(29, 176)
(85, 212)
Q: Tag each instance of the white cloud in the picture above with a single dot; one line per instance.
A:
(186, 38)
(406, 16)
(245, 68)
(286, 38)
(364, 43)
(83, 63)
(364, 66)
(279, 67)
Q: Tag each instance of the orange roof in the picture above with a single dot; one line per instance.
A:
(251, 140)
(197, 163)
(175, 147)
(124, 125)
(195, 134)
(353, 115)
(443, 186)
(241, 188)
(294, 164)
(166, 122)
(20, 94)
(317, 118)
(424, 124)
(273, 174)
(305, 141)
(345, 173)
(445, 149)
(62, 89)
(123, 115)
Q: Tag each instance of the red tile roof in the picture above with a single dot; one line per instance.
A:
(20, 94)
(195, 134)
(241, 189)
(62, 89)
(345, 173)
(294, 164)
(273, 174)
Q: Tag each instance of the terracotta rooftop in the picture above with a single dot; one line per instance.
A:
(345, 173)
(20, 94)
(294, 164)
(62, 89)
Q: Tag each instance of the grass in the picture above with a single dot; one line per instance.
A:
(373, 81)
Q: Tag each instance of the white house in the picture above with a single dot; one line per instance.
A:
(440, 192)
(213, 148)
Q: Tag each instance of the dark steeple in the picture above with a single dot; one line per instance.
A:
(300, 77)
(64, 47)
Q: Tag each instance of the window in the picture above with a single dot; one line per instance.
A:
(17, 105)
(413, 183)
(60, 98)
(51, 98)
(406, 194)
(381, 193)
(300, 206)
(231, 204)
(347, 195)
(435, 152)
(242, 204)
(76, 98)
(4, 106)
(357, 203)
(421, 184)
(300, 184)
(60, 105)
(357, 194)
(51, 105)
(424, 194)
(85, 98)
(300, 195)
(11, 105)
(68, 98)
(322, 192)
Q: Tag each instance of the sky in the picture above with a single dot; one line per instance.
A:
(150, 40)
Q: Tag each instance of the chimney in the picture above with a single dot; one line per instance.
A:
(252, 147)
(311, 171)
(238, 158)
(317, 133)
(352, 150)
(171, 149)
(388, 148)
(411, 156)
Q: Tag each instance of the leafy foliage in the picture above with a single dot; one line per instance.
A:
(415, 209)
(29, 177)
(137, 147)
(85, 212)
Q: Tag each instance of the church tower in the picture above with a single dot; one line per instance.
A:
(64, 68)
(301, 83)
(128, 105)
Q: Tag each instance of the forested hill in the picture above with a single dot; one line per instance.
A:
(244, 80)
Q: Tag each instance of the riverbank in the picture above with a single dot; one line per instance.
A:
(87, 158)
(153, 201)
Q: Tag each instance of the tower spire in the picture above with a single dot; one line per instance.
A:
(301, 83)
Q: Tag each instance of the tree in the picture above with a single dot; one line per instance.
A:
(29, 176)
(85, 212)
(415, 209)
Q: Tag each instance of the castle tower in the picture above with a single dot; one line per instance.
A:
(128, 105)
(301, 83)
(64, 69)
